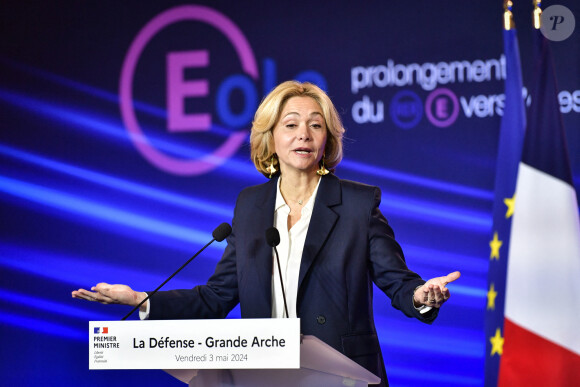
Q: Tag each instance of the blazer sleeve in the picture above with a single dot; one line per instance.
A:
(388, 268)
(213, 300)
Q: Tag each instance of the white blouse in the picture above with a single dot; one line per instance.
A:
(290, 252)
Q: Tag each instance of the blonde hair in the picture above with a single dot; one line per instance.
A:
(268, 114)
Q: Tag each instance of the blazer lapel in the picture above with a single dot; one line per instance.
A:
(322, 221)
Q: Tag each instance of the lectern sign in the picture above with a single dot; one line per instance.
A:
(195, 344)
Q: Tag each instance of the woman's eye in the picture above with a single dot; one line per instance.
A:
(290, 126)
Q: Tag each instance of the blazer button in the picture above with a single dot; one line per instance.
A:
(321, 319)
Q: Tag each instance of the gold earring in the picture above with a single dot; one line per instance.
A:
(322, 171)
(271, 168)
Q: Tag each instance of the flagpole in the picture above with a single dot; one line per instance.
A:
(537, 14)
(508, 17)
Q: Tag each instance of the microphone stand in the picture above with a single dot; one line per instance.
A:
(281, 282)
(167, 280)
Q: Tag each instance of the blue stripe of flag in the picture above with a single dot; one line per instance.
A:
(546, 129)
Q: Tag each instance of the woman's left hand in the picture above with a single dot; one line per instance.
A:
(434, 292)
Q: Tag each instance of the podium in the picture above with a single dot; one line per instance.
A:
(320, 366)
(220, 353)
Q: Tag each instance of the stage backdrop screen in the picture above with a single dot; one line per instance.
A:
(124, 129)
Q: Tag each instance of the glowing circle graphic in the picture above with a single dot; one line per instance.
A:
(248, 63)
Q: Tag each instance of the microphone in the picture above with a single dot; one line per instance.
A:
(273, 240)
(220, 233)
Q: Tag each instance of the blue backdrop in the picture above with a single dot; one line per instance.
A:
(95, 185)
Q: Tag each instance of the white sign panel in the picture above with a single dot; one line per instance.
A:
(195, 344)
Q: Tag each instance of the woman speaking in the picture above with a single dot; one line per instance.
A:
(334, 241)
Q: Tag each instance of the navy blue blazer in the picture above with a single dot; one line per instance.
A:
(349, 246)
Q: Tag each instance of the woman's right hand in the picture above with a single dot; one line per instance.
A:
(112, 294)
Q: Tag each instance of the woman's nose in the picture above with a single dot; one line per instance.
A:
(303, 132)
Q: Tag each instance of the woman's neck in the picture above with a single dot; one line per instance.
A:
(298, 188)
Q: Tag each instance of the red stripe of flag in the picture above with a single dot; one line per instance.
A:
(530, 360)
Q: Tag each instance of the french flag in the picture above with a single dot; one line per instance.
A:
(103, 330)
(539, 344)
